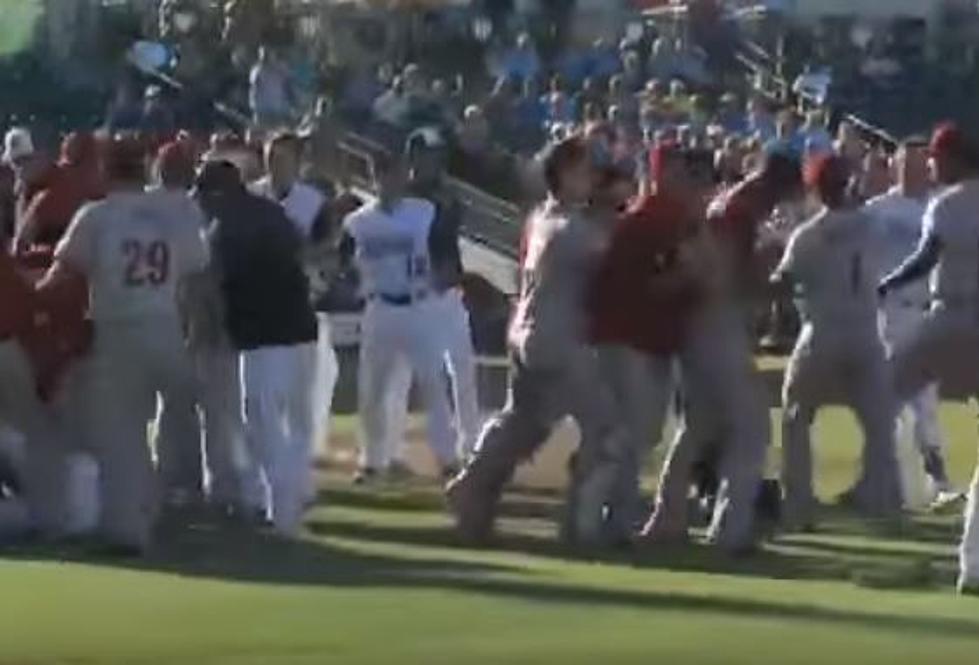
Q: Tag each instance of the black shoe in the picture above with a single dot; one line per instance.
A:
(365, 476)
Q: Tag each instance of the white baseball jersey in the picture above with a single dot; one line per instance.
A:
(392, 254)
(833, 262)
(953, 218)
(302, 204)
(897, 221)
(134, 248)
(563, 248)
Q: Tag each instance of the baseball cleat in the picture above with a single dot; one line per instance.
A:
(365, 476)
(947, 500)
(967, 587)
(473, 508)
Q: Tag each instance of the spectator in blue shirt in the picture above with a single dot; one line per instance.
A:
(604, 60)
(521, 62)
(761, 124)
(730, 116)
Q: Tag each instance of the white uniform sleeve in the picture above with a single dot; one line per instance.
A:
(792, 258)
(78, 247)
(934, 222)
(191, 243)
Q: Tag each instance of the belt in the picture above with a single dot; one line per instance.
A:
(400, 300)
(907, 303)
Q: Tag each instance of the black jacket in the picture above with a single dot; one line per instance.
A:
(257, 254)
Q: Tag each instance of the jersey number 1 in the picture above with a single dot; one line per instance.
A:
(147, 264)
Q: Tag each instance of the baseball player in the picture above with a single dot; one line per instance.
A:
(945, 347)
(307, 208)
(135, 248)
(218, 396)
(897, 216)
(644, 292)
(724, 400)
(831, 261)
(269, 318)
(449, 318)
(41, 467)
(554, 370)
(389, 242)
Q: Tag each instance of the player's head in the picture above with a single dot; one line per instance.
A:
(390, 176)
(174, 166)
(568, 171)
(125, 165)
(828, 177)
(425, 151)
(216, 180)
(781, 175)
(911, 165)
(282, 155)
(954, 154)
(686, 173)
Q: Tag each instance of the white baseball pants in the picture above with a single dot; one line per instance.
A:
(324, 386)
(898, 323)
(724, 401)
(945, 348)
(277, 388)
(131, 366)
(828, 367)
(641, 385)
(43, 463)
(450, 318)
(393, 336)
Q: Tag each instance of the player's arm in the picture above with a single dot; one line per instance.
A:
(917, 266)
(920, 264)
(784, 277)
(73, 258)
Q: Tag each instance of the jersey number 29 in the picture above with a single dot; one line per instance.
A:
(147, 263)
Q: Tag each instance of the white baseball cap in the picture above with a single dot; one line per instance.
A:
(17, 144)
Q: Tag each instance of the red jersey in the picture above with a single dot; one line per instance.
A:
(17, 298)
(735, 217)
(51, 211)
(623, 307)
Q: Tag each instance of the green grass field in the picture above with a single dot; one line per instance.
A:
(18, 19)
(379, 579)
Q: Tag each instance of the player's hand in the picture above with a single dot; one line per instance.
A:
(883, 289)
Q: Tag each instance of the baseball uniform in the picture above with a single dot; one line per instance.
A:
(897, 221)
(555, 373)
(135, 249)
(391, 253)
(44, 469)
(945, 347)
(832, 260)
(724, 399)
(639, 308)
(270, 320)
(451, 324)
(303, 205)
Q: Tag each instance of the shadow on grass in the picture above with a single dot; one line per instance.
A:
(768, 563)
(215, 553)
(414, 497)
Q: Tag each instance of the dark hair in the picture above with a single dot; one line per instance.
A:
(782, 172)
(559, 157)
(125, 161)
(218, 175)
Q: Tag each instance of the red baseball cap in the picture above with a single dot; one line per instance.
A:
(947, 139)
